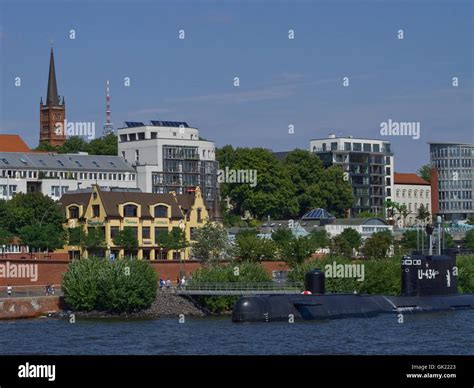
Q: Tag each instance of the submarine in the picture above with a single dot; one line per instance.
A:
(428, 284)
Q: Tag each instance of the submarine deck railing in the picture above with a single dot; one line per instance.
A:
(236, 288)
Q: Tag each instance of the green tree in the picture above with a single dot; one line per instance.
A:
(469, 240)
(127, 239)
(94, 240)
(73, 145)
(425, 172)
(76, 236)
(42, 237)
(251, 248)
(423, 214)
(449, 241)
(119, 286)
(5, 237)
(127, 285)
(211, 243)
(353, 237)
(341, 247)
(297, 250)
(282, 236)
(409, 240)
(23, 209)
(319, 238)
(377, 246)
(248, 272)
(105, 145)
(273, 194)
(316, 186)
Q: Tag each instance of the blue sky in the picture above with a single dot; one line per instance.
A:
(282, 81)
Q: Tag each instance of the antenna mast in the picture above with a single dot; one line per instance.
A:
(108, 126)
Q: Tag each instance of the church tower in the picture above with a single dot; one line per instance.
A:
(53, 112)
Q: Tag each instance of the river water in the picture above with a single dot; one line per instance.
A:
(437, 333)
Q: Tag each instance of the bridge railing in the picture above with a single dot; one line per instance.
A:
(240, 286)
(29, 291)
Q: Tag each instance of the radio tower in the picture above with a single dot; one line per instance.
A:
(108, 126)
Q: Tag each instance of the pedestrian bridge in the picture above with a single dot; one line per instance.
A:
(235, 288)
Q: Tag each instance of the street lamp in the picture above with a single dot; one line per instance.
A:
(182, 226)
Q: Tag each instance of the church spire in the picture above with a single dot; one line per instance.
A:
(52, 97)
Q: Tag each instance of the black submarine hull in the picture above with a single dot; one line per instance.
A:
(268, 308)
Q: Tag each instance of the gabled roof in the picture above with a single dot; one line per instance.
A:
(400, 178)
(112, 199)
(12, 143)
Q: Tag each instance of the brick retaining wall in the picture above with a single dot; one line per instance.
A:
(13, 308)
(50, 271)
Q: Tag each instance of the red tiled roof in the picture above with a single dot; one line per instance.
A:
(13, 143)
(409, 179)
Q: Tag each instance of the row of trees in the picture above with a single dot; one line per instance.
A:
(94, 240)
(284, 189)
(400, 211)
(105, 145)
(212, 244)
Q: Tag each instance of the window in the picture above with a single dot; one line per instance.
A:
(409, 194)
(415, 194)
(123, 138)
(153, 135)
(376, 147)
(160, 232)
(95, 210)
(74, 212)
(324, 146)
(132, 137)
(137, 155)
(367, 147)
(199, 216)
(141, 135)
(130, 211)
(347, 146)
(161, 211)
(404, 193)
(146, 232)
(114, 231)
(398, 193)
(333, 146)
(357, 147)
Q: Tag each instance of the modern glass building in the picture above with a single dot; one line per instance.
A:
(452, 179)
(367, 165)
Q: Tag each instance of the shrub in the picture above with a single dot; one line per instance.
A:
(380, 276)
(120, 286)
(465, 266)
(247, 272)
(81, 283)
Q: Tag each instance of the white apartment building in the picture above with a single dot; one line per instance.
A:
(412, 191)
(54, 174)
(170, 156)
(367, 165)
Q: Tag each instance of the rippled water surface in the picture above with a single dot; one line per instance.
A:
(440, 333)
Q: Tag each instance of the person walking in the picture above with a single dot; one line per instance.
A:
(161, 284)
(168, 283)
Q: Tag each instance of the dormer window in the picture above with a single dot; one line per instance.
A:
(130, 211)
(161, 211)
(74, 212)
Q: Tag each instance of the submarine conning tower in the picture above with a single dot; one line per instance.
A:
(428, 274)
